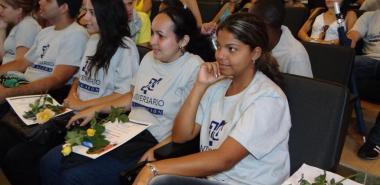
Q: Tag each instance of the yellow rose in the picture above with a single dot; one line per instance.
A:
(90, 132)
(44, 116)
(66, 149)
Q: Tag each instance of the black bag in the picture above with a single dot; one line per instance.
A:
(50, 133)
(129, 175)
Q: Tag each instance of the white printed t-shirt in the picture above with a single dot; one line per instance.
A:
(55, 47)
(291, 55)
(123, 66)
(258, 118)
(21, 35)
(368, 25)
(160, 90)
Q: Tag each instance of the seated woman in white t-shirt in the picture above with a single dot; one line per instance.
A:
(109, 63)
(24, 31)
(160, 86)
(323, 25)
(240, 112)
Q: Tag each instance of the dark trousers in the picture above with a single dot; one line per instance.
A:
(76, 169)
(20, 155)
(374, 134)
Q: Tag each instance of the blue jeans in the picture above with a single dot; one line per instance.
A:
(175, 180)
(76, 169)
(366, 68)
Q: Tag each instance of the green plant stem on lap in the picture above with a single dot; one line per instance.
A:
(321, 180)
(93, 137)
(38, 107)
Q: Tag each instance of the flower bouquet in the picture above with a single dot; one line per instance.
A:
(43, 109)
(92, 137)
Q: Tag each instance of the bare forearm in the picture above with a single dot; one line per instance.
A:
(123, 101)
(302, 34)
(102, 100)
(163, 142)
(36, 87)
(74, 87)
(16, 65)
(193, 6)
(184, 123)
(205, 163)
(354, 36)
(192, 165)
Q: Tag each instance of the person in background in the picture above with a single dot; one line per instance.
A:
(247, 7)
(235, 106)
(166, 74)
(323, 24)
(190, 4)
(143, 6)
(139, 24)
(17, 13)
(370, 5)
(367, 69)
(227, 9)
(294, 3)
(290, 54)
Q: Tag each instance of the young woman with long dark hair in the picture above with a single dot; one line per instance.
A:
(235, 105)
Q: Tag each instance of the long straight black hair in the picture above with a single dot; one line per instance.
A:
(112, 20)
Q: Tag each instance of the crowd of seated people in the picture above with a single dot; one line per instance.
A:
(233, 100)
(322, 23)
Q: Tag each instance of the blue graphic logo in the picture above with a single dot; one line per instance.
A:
(44, 50)
(150, 87)
(214, 129)
(85, 67)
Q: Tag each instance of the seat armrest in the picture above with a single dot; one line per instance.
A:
(172, 150)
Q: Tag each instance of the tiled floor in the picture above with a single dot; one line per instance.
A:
(349, 159)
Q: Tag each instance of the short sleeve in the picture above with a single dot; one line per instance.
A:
(301, 63)
(72, 48)
(127, 68)
(26, 33)
(32, 54)
(202, 110)
(197, 61)
(362, 24)
(145, 59)
(145, 30)
(263, 126)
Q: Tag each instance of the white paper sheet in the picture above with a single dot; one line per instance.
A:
(20, 104)
(117, 133)
(310, 172)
